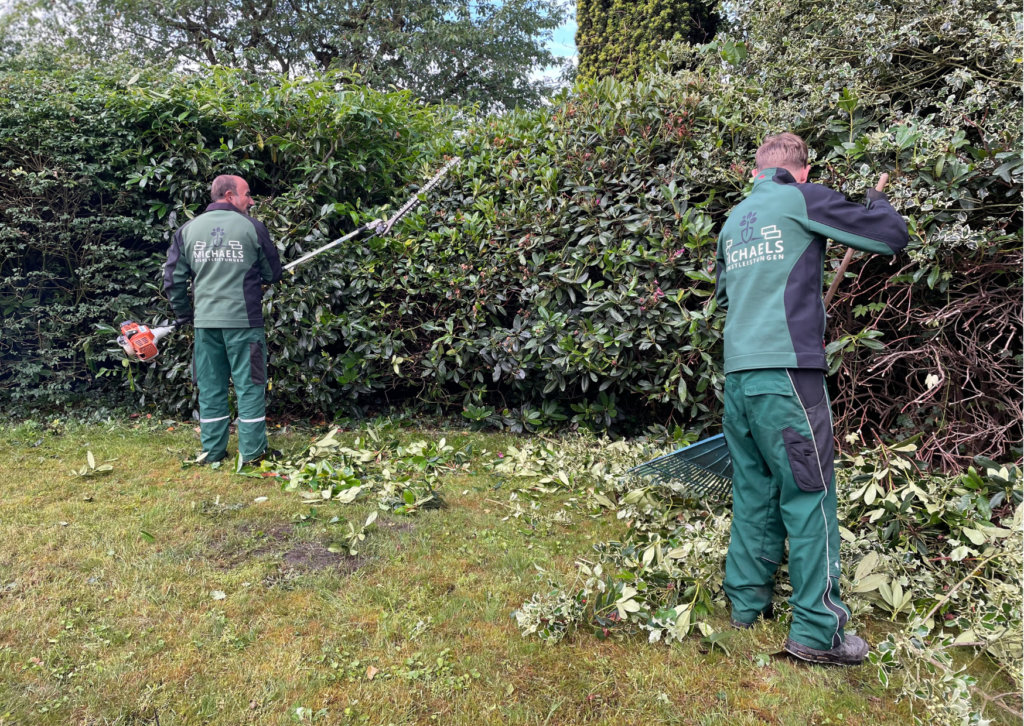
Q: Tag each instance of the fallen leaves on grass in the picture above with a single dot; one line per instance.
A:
(916, 544)
(91, 469)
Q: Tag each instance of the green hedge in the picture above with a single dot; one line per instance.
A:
(101, 165)
(562, 271)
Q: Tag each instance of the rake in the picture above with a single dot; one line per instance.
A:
(703, 469)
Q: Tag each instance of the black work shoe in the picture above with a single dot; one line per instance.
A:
(768, 614)
(267, 454)
(204, 461)
(852, 652)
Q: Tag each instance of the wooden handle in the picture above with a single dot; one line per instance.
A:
(841, 272)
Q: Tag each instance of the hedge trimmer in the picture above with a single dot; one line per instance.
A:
(381, 227)
(140, 341)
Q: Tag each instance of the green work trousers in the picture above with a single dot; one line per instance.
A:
(779, 429)
(241, 355)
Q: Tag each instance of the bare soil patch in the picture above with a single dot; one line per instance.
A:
(312, 556)
(259, 541)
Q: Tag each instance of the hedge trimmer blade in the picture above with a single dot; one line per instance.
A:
(702, 469)
(381, 227)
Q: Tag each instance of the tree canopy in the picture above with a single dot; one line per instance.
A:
(619, 37)
(454, 51)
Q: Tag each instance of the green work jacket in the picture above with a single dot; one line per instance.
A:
(770, 267)
(228, 256)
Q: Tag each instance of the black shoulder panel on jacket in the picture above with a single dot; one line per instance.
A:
(269, 250)
(253, 294)
(805, 315)
(878, 222)
(173, 255)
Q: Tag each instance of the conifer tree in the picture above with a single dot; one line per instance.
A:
(619, 37)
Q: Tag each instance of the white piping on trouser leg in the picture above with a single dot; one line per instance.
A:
(253, 420)
(824, 519)
(831, 420)
(211, 420)
(828, 578)
(832, 424)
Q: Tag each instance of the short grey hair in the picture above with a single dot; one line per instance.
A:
(222, 185)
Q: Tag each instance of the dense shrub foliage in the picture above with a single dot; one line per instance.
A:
(100, 166)
(931, 92)
(563, 270)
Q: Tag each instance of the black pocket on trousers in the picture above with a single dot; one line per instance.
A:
(259, 374)
(803, 460)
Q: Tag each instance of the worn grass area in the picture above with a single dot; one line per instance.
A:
(98, 624)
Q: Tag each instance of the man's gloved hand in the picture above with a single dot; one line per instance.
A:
(874, 195)
(182, 322)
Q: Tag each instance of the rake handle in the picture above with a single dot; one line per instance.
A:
(841, 272)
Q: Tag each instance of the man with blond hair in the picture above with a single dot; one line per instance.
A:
(777, 422)
(228, 257)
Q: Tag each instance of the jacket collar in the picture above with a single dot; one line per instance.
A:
(776, 174)
(221, 206)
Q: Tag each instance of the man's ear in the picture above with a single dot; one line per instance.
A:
(754, 173)
(801, 176)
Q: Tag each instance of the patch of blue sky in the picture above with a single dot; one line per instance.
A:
(563, 46)
(564, 41)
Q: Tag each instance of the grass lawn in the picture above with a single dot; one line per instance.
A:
(108, 612)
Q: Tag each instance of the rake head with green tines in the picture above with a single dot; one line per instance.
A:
(702, 469)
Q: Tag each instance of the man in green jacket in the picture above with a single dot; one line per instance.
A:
(228, 256)
(777, 421)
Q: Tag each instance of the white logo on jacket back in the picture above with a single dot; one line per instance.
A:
(215, 251)
(751, 250)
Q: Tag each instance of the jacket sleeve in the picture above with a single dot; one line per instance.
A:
(270, 261)
(720, 294)
(177, 273)
(876, 228)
